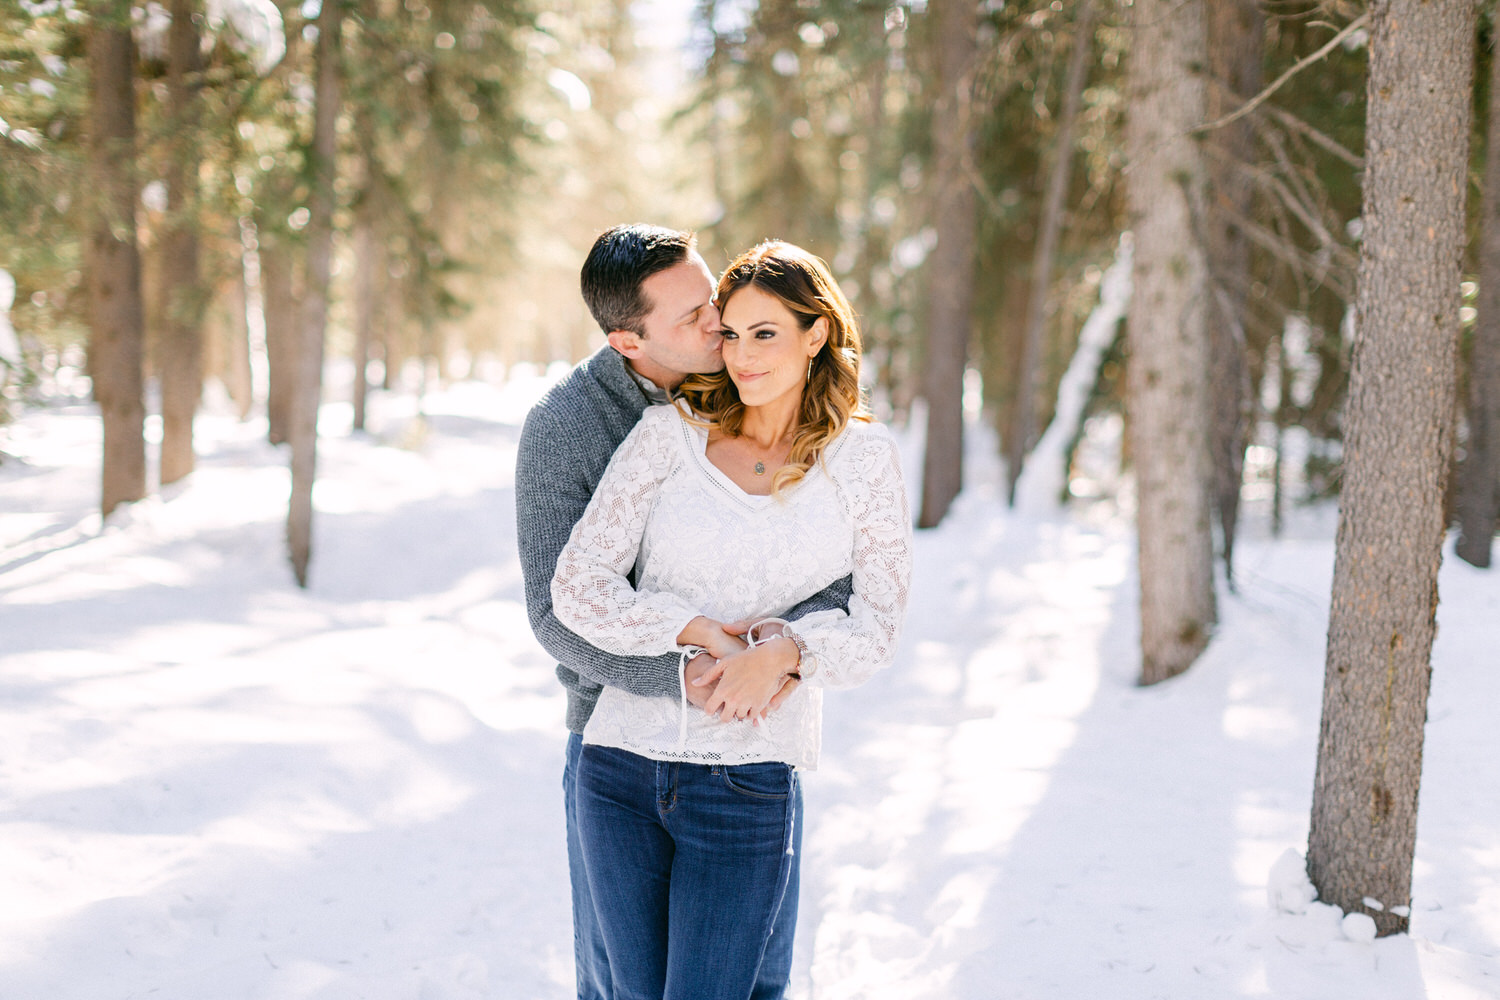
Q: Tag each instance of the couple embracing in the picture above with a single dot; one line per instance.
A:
(712, 531)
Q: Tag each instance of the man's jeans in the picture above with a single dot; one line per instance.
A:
(589, 958)
(691, 870)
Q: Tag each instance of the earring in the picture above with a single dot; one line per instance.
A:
(809, 370)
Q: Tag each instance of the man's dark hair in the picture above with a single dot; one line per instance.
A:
(621, 260)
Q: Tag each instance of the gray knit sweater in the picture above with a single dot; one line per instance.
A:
(566, 444)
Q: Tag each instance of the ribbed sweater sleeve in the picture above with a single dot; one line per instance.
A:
(558, 460)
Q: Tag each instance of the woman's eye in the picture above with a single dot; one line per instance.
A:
(764, 334)
(729, 335)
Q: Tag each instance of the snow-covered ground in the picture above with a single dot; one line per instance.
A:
(216, 786)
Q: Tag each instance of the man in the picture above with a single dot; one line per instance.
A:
(652, 296)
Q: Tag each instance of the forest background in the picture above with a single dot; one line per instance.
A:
(482, 146)
(218, 197)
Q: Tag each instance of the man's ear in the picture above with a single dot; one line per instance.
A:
(627, 342)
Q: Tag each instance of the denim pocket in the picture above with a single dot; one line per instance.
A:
(768, 780)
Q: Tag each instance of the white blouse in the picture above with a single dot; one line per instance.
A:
(700, 545)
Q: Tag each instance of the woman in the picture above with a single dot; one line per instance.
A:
(762, 486)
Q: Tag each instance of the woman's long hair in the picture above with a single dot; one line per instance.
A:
(831, 397)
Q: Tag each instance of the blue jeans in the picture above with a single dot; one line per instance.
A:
(590, 961)
(691, 869)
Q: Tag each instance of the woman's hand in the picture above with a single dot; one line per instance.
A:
(752, 683)
(713, 636)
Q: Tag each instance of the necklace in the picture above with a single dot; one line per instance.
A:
(760, 468)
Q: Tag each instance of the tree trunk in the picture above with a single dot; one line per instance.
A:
(890, 365)
(309, 362)
(279, 306)
(116, 312)
(1020, 443)
(951, 264)
(999, 350)
(369, 260)
(1478, 500)
(1398, 441)
(1168, 336)
(1282, 419)
(181, 342)
(236, 370)
(1236, 33)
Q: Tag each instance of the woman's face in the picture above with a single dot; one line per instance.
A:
(766, 351)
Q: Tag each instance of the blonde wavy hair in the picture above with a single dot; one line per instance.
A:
(831, 397)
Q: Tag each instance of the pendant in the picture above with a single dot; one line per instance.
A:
(760, 468)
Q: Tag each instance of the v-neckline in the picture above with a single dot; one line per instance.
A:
(697, 438)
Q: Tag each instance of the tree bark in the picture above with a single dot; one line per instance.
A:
(1168, 336)
(951, 264)
(1478, 502)
(181, 342)
(1398, 442)
(1024, 438)
(309, 362)
(279, 306)
(369, 261)
(1236, 33)
(236, 371)
(116, 311)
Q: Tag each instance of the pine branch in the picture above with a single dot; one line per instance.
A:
(1280, 81)
(1301, 127)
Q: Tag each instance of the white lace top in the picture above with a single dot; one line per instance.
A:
(702, 546)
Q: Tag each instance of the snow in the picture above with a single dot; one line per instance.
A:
(213, 784)
(256, 30)
(10, 347)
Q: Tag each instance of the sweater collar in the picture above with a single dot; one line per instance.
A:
(622, 380)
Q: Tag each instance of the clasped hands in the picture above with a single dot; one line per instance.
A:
(734, 680)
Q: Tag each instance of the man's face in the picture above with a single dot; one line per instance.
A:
(682, 326)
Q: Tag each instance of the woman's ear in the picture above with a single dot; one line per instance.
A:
(817, 336)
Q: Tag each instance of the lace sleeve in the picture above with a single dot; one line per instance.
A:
(846, 651)
(591, 591)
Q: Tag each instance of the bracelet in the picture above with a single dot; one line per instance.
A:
(786, 633)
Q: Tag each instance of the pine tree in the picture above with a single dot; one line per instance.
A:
(1023, 437)
(1398, 443)
(1236, 43)
(314, 318)
(180, 360)
(950, 268)
(117, 324)
(1478, 502)
(1168, 336)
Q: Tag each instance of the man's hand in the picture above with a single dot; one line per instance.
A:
(780, 697)
(698, 694)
